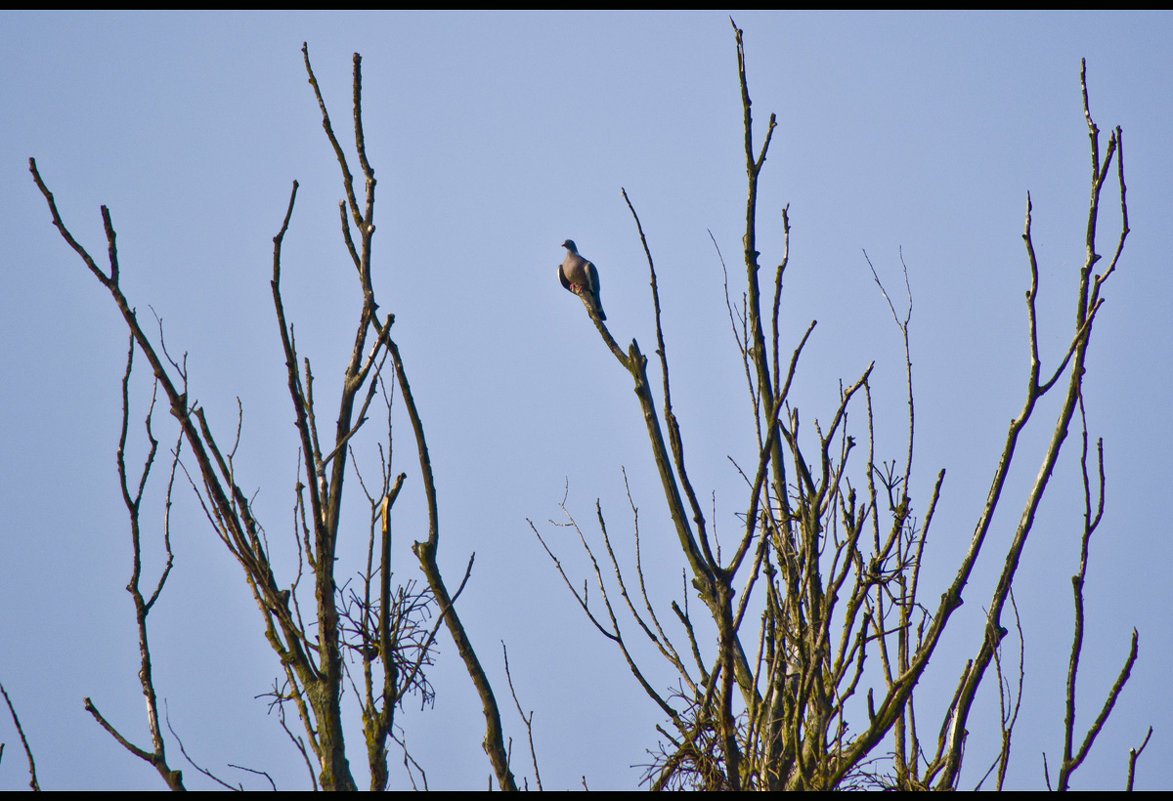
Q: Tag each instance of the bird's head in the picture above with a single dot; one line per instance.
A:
(569, 245)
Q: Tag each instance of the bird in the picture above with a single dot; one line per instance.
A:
(579, 276)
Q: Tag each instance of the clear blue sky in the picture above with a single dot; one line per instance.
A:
(495, 137)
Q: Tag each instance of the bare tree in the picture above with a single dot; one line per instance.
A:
(821, 628)
(829, 558)
(383, 629)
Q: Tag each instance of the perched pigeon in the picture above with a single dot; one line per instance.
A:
(580, 277)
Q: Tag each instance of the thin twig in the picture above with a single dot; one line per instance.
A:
(28, 752)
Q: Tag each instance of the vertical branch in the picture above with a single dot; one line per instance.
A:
(1133, 754)
(142, 607)
(302, 397)
(753, 167)
(775, 337)
(527, 719)
(1070, 760)
(1077, 582)
(33, 784)
(378, 721)
(906, 605)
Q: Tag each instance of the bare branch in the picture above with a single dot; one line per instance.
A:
(28, 752)
(527, 719)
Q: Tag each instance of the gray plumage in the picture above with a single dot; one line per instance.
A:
(579, 276)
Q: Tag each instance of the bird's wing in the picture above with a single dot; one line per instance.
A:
(562, 275)
(592, 278)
